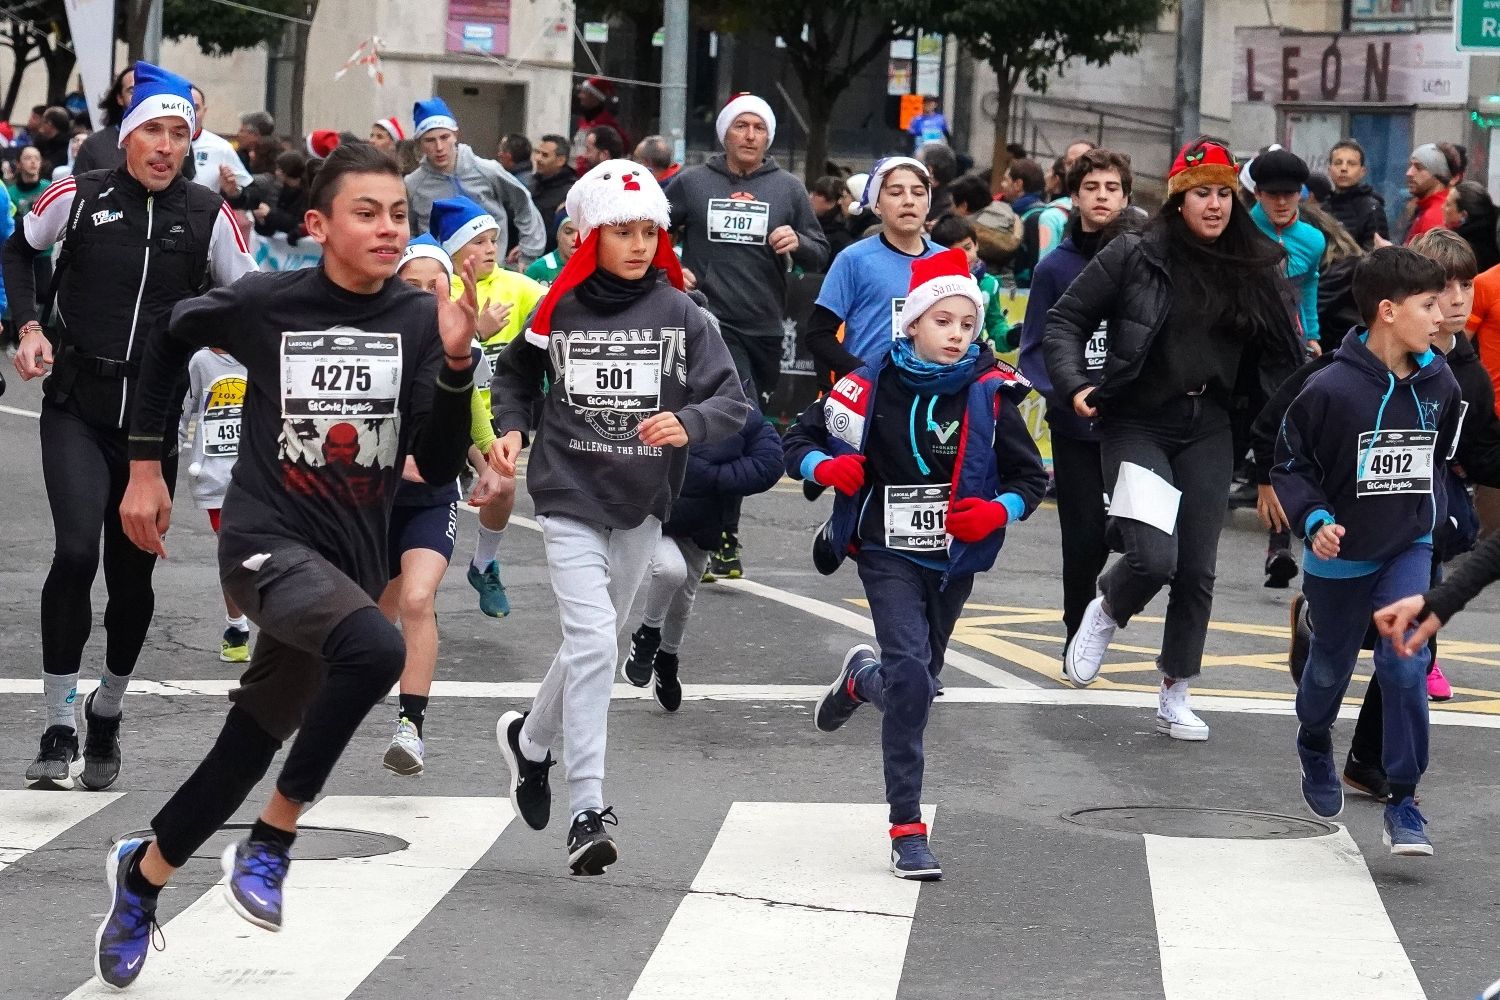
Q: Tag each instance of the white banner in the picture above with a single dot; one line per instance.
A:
(274, 253)
(92, 23)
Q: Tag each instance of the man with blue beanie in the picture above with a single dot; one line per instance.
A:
(139, 240)
(451, 169)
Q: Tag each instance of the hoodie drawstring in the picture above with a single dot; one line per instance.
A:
(1364, 461)
(911, 430)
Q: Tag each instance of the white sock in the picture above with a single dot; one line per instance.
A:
(532, 750)
(60, 691)
(486, 547)
(109, 696)
(242, 623)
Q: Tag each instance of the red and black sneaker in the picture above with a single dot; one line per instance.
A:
(841, 699)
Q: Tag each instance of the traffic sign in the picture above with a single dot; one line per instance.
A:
(1476, 25)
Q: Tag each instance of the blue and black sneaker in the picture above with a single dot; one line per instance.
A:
(121, 943)
(492, 599)
(1320, 779)
(255, 873)
(1492, 992)
(911, 857)
(1403, 830)
(840, 700)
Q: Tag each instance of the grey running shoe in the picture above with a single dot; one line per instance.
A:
(58, 762)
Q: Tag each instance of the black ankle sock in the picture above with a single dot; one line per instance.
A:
(265, 833)
(414, 707)
(135, 880)
(1399, 792)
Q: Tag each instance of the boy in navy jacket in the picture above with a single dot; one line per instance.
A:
(1358, 472)
(931, 460)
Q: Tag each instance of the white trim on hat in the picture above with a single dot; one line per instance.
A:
(158, 106)
(435, 121)
(929, 293)
(415, 251)
(392, 127)
(746, 104)
(460, 237)
(877, 179)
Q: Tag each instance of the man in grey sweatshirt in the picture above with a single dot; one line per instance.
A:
(451, 169)
(742, 223)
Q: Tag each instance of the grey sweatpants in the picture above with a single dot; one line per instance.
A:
(676, 570)
(595, 572)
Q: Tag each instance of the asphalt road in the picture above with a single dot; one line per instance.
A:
(753, 847)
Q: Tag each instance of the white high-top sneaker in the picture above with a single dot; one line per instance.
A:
(1173, 716)
(1085, 652)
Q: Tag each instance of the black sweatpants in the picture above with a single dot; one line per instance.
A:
(86, 470)
(325, 657)
(1078, 475)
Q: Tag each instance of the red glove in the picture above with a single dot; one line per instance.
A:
(972, 519)
(845, 473)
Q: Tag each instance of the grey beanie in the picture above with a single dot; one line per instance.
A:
(1429, 156)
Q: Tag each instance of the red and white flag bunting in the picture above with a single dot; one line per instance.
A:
(368, 56)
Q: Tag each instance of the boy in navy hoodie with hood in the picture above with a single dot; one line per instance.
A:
(931, 460)
(1358, 472)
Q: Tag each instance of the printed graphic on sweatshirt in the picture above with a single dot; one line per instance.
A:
(223, 408)
(614, 378)
(916, 517)
(1395, 462)
(340, 425)
(738, 219)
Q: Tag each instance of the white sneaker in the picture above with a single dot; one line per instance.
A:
(1085, 652)
(1173, 716)
(404, 755)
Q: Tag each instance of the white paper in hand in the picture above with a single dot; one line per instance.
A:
(1142, 495)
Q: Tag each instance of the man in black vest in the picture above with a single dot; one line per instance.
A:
(139, 239)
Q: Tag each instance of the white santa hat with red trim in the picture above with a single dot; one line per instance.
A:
(613, 193)
(742, 104)
(392, 128)
(936, 278)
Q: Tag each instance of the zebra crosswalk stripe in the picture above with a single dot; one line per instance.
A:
(343, 917)
(1250, 919)
(788, 891)
(30, 819)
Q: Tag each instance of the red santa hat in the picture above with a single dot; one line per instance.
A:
(392, 128)
(1202, 161)
(935, 278)
(322, 142)
(614, 192)
(601, 88)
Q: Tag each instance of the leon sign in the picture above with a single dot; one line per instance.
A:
(1357, 68)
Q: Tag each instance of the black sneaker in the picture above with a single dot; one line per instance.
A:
(1280, 568)
(58, 762)
(590, 850)
(667, 689)
(643, 645)
(530, 792)
(1367, 779)
(101, 748)
(840, 700)
(725, 561)
(1301, 644)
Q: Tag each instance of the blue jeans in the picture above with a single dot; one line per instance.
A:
(1341, 610)
(913, 621)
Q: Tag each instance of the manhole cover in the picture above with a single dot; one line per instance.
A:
(314, 843)
(1186, 821)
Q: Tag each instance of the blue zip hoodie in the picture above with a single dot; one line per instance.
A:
(996, 460)
(1367, 450)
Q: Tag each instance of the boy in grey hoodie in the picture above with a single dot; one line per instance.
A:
(634, 374)
(215, 400)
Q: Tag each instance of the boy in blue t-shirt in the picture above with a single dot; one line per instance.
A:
(856, 317)
(929, 126)
(1359, 462)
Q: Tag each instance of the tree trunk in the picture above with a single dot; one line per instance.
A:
(1005, 91)
(821, 99)
(60, 63)
(300, 33)
(20, 46)
(135, 30)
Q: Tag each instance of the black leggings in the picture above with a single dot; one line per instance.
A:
(86, 470)
(364, 656)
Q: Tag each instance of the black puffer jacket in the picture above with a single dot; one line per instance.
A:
(1361, 211)
(1127, 286)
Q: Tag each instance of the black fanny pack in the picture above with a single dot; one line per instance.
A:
(89, 386)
